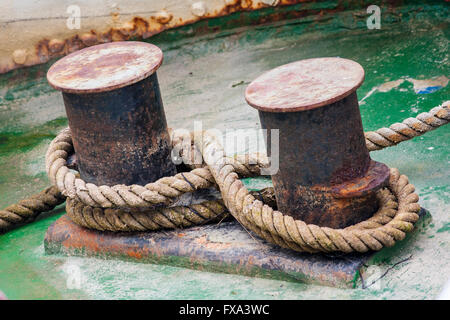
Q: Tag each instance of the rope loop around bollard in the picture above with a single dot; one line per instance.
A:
(140, 208)
(165, 190)
(396, 215)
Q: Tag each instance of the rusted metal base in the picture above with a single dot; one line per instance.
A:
(215, 248)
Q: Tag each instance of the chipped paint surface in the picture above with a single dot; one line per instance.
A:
(385, 87)
(420, 86)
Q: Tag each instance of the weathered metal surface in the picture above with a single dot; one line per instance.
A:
(105, 67)
(326, 176)
(226, 247)
(115, 112)
(305, 85)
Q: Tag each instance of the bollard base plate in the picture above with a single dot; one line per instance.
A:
(226, 248)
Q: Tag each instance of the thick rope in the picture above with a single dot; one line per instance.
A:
(409, 128)
(165, 190)
(28, 209)
(372, 234)
(179, 217)
(161, 192)
(138, 208)
(135, 220)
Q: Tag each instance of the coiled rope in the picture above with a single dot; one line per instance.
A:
(139, 208)
(396, 215)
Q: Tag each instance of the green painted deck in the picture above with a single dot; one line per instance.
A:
(203, 78)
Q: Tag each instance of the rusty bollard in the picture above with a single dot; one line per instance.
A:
(116, 116)
(326, 176)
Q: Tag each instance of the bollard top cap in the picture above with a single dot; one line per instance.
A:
(105, 67)
(305, 85)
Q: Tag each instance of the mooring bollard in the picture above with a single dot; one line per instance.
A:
(326, 176)
(115, 112)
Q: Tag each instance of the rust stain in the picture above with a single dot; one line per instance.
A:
(105, 67)
(289, 88)
(141, 28)
(250, 261)
(56, 45)
(163, 17)
(89, 39)
(134, 254)
(203, 240)
(374, 178)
